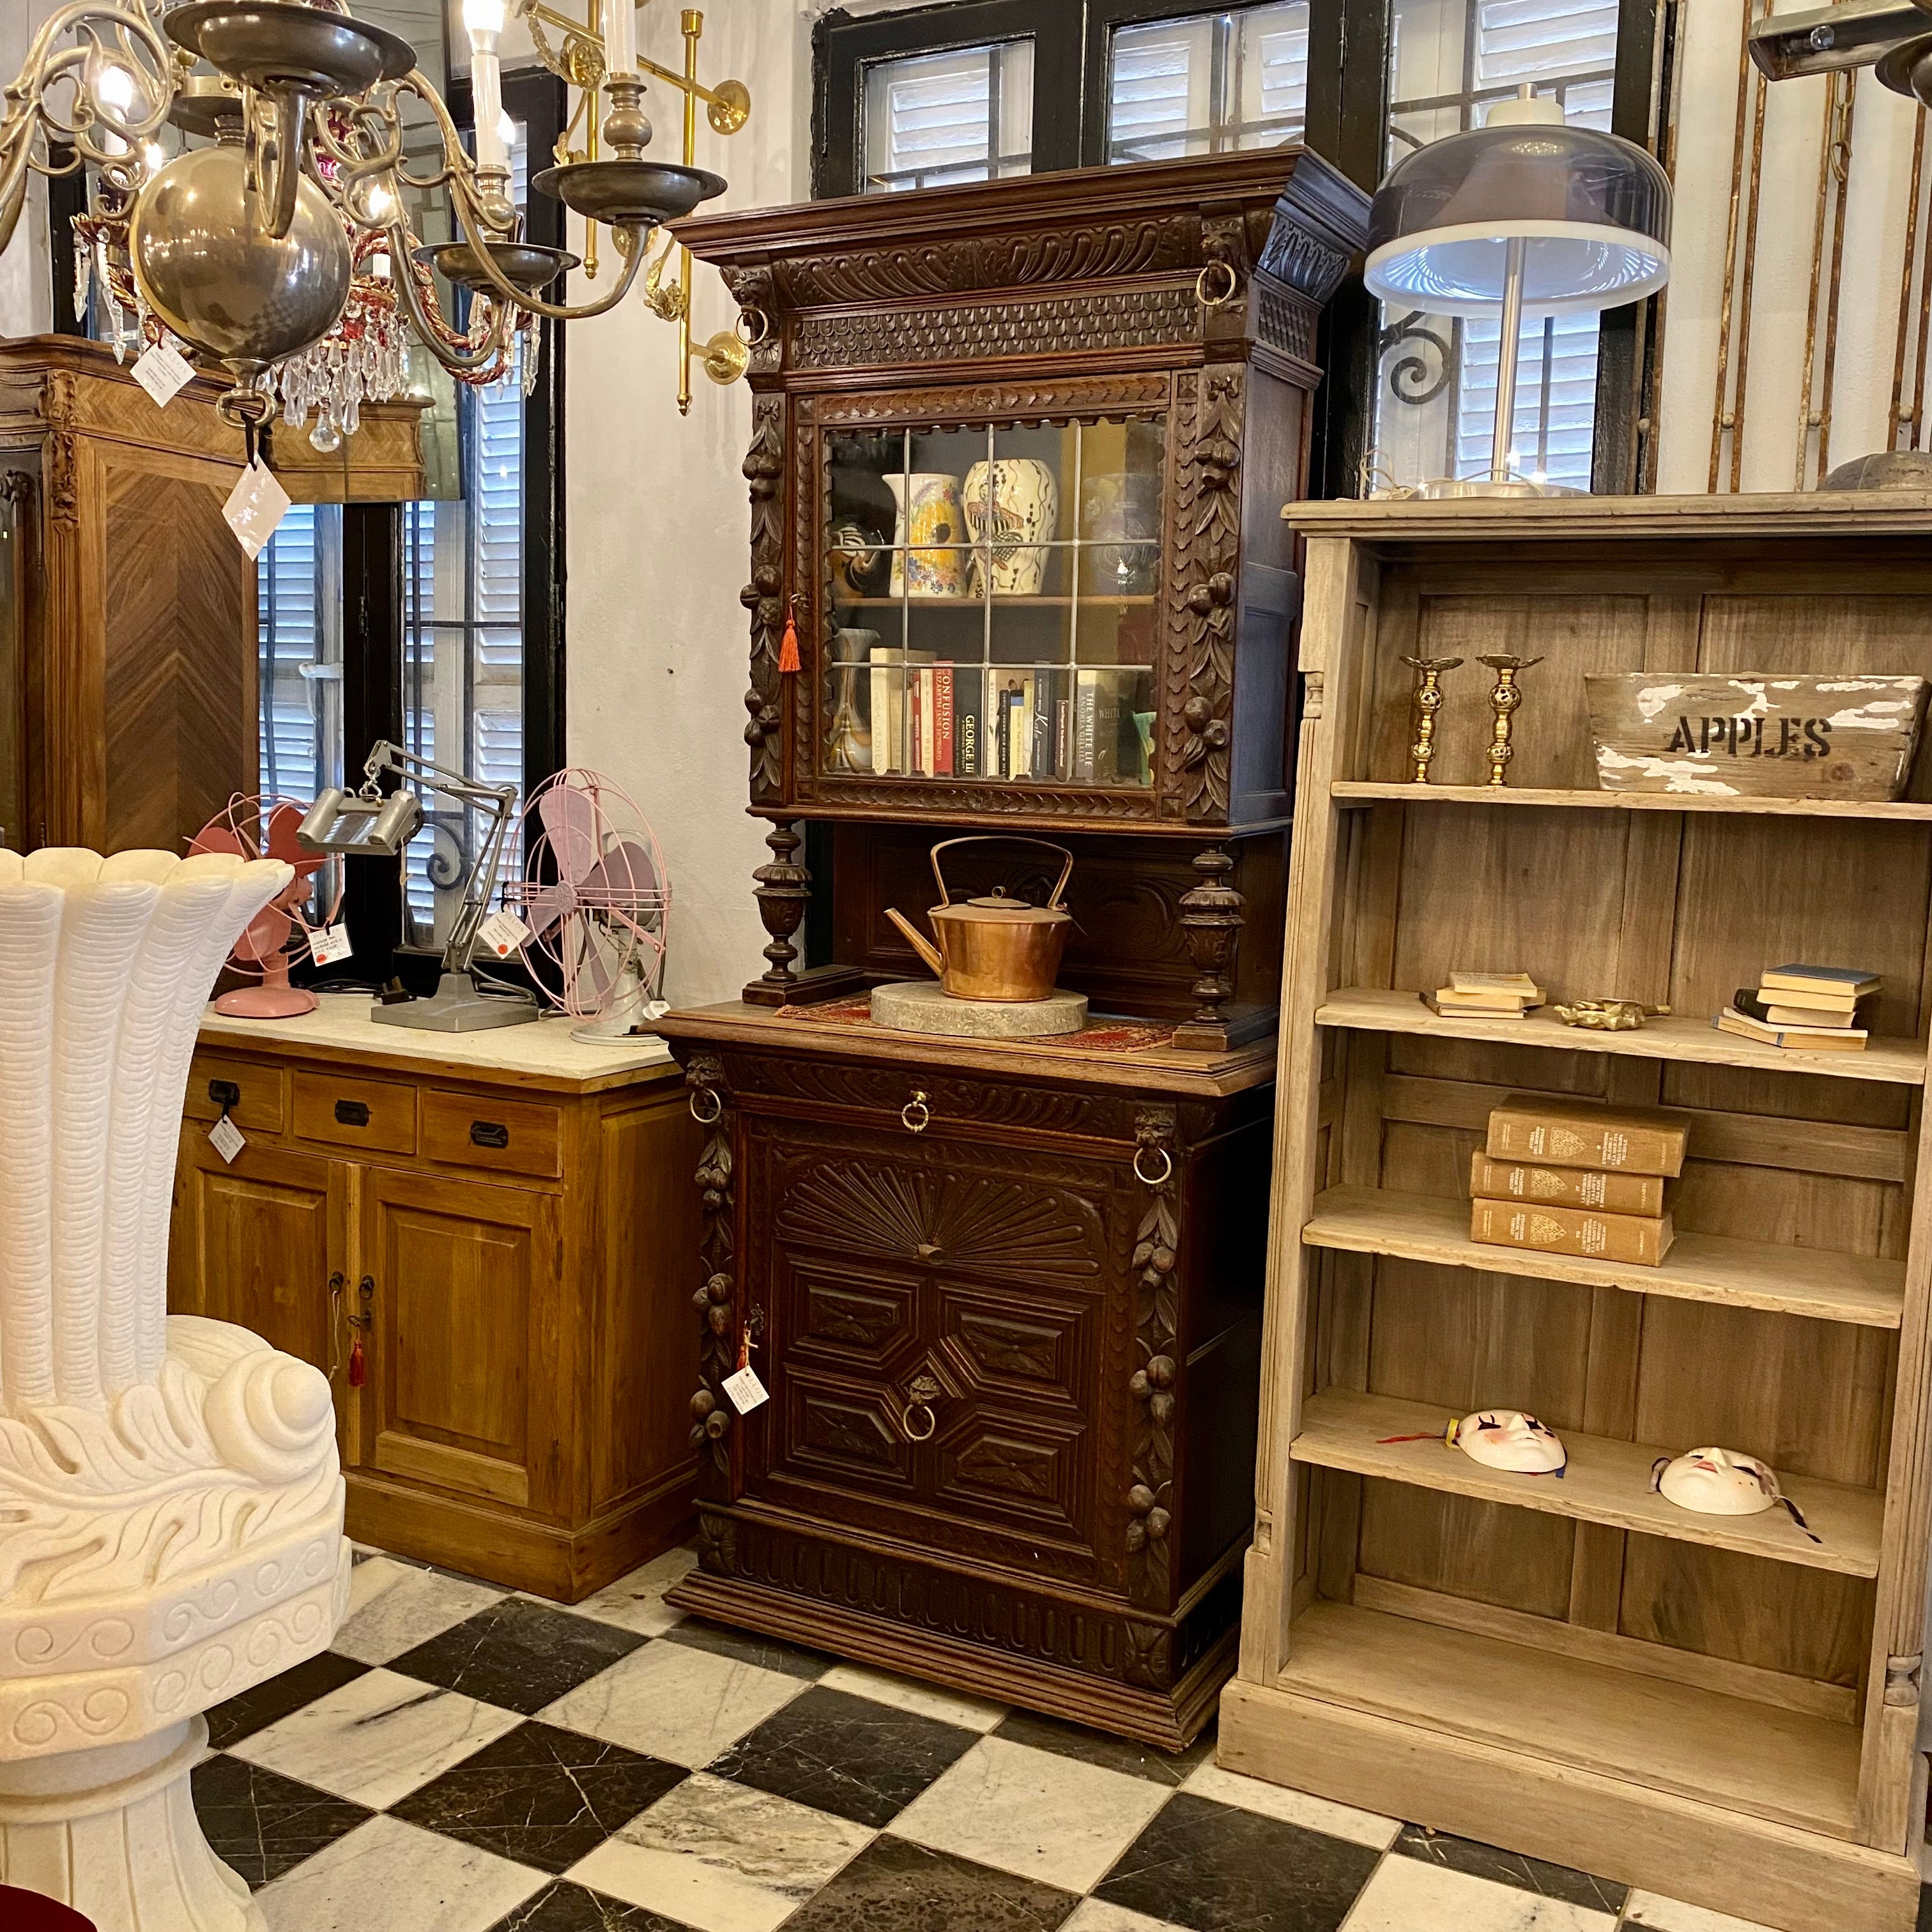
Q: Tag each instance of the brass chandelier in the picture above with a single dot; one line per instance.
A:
(284, 247)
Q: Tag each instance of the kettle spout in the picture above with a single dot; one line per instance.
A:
(920, 944)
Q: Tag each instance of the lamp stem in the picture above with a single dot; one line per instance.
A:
(1506, 354)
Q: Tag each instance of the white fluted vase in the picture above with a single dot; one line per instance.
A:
(170, 1503)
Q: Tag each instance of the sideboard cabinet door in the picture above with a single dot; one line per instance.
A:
(463, 1354)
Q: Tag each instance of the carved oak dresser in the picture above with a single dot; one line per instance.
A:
(1017, 568)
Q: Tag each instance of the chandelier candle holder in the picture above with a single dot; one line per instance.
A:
(284, 252)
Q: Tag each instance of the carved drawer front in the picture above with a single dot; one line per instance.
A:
(378, 1114)
(251, 1094)
(485, 1130)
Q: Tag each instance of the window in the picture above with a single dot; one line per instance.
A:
(298, 632)
(1207, 84)
(966, 115)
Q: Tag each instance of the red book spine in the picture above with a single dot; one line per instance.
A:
(942, 721)
(915, 724)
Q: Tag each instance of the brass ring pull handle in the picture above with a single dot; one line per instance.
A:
(717, 1100)
(1008, 839)
(1227, 290)
(1141, 1174)
(749, 317)
(921, 1393)
(915, 1106)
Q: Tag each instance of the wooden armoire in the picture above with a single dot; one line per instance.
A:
(1018, 454)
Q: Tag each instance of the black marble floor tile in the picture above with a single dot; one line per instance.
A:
(863, 1760)
(269, 1702)
(264, 1824)
(540, 1795)
(768, 1653)
(1214, 1869)
(1480, 1860)
(1111, 1753)
(565, 1907)
(895, 1886)
(517, 1655)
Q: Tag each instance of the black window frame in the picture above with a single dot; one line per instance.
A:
(1346, 122)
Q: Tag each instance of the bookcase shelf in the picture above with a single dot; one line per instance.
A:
(1679, 1037)
(1715, 1708)
(1813, 1281)
(1605, 1481)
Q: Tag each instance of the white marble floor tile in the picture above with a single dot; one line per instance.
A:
(1292, 1807)
(387, 1876)
(1408, 1895)
(399, 1607)
(376, 1739)
(1095, 1915)
(905, 1693)
(674, 1702)
(1656, 1913)
(1033, 1812)
(722, 1857)
(636, 1602)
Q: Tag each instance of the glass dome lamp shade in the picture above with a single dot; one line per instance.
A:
(1525, 216)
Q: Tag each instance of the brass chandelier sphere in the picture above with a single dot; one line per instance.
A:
(205, 264)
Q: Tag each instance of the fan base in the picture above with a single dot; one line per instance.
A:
(267, 1003)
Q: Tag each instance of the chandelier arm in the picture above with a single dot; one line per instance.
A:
(277, 142)
(355, 162)
(436, 335)
(99, 25)
(553, 311)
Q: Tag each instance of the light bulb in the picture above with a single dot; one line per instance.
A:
(154, 156)
(115, 87)
(484, 17)
(381, 205)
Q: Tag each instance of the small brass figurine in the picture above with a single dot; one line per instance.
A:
(1607, 1016)
(1427, 702)
(1503, 699)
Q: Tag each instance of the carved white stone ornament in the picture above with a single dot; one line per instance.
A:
(170, 1501)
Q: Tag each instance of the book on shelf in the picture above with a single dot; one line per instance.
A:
(967, 721)
(1564, 1186)
(1839, 1020)
(1045, 684)
(1827, 1006)
(1063, 737)
(1548, 1128)
(1496, 986)
(1811, 1039)
(920, 697)
(941, 721)
(1644, 1239)
(1838, 983)
(1452, 998)
(1443, 1002)
(891, 750)
(1096, 728)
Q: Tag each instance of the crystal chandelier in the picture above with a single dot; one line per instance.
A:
(283, 252)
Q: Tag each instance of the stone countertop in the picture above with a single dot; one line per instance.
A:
(540, 1053)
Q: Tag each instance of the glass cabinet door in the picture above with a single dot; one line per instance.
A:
(994, 595)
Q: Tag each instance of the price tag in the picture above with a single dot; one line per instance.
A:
(744, 1388)
(504, 933)
(255, 507)
(226, 1139)
(163, 371)
(330, 947)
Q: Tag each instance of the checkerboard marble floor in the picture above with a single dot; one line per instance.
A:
(465, 1759)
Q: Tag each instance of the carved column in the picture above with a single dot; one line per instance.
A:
(713, 1415)
(1210, 922)
(784, 891)
(1157, 1253)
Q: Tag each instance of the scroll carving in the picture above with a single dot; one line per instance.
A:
(764, 597)
(1157, 1253)
(716, 1297)
(997, 399)
(1309, 265)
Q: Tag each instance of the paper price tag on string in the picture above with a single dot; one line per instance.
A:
(504, 933)
(255, 506)
(163, 371)
(330, 947)
(226, 1139)
(745, 1390)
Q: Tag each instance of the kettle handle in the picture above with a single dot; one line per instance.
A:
(1009, 838)
(920, 944)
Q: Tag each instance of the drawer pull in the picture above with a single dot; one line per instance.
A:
(489, 1134)
(225, 1093)
(717, 1100)
(1141, 1174)
(921, 1393)
(352, 1113)
(916, 1106)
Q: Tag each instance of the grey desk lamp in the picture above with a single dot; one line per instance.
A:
(1524, 216)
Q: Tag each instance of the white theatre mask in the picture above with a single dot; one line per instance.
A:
(1503, 1439)
(1722, 1482)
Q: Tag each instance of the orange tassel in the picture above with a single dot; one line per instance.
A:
(788, 658)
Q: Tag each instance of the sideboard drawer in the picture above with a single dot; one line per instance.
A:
(375, 1114)
(482, 1130)
(254, 1095)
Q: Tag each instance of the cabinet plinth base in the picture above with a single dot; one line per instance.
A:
(1727, 1860)
(1168, 1719)
(807, 989)
(1240, 1024)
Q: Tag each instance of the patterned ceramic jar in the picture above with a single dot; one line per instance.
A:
(929, 515)
(1013, 507)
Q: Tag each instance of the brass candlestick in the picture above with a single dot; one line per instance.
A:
(1503, 699)
(1426, 702)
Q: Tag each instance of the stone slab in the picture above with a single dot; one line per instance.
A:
(923, 1006)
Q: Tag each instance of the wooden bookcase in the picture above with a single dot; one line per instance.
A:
(1713, 1708)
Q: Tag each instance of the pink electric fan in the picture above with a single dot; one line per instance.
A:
(265, 828)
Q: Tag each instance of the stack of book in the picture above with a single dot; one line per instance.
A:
(1813, 1008)
(1489, 996)
(1570, 1177)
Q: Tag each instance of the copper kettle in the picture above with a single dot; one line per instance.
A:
(993, 947)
